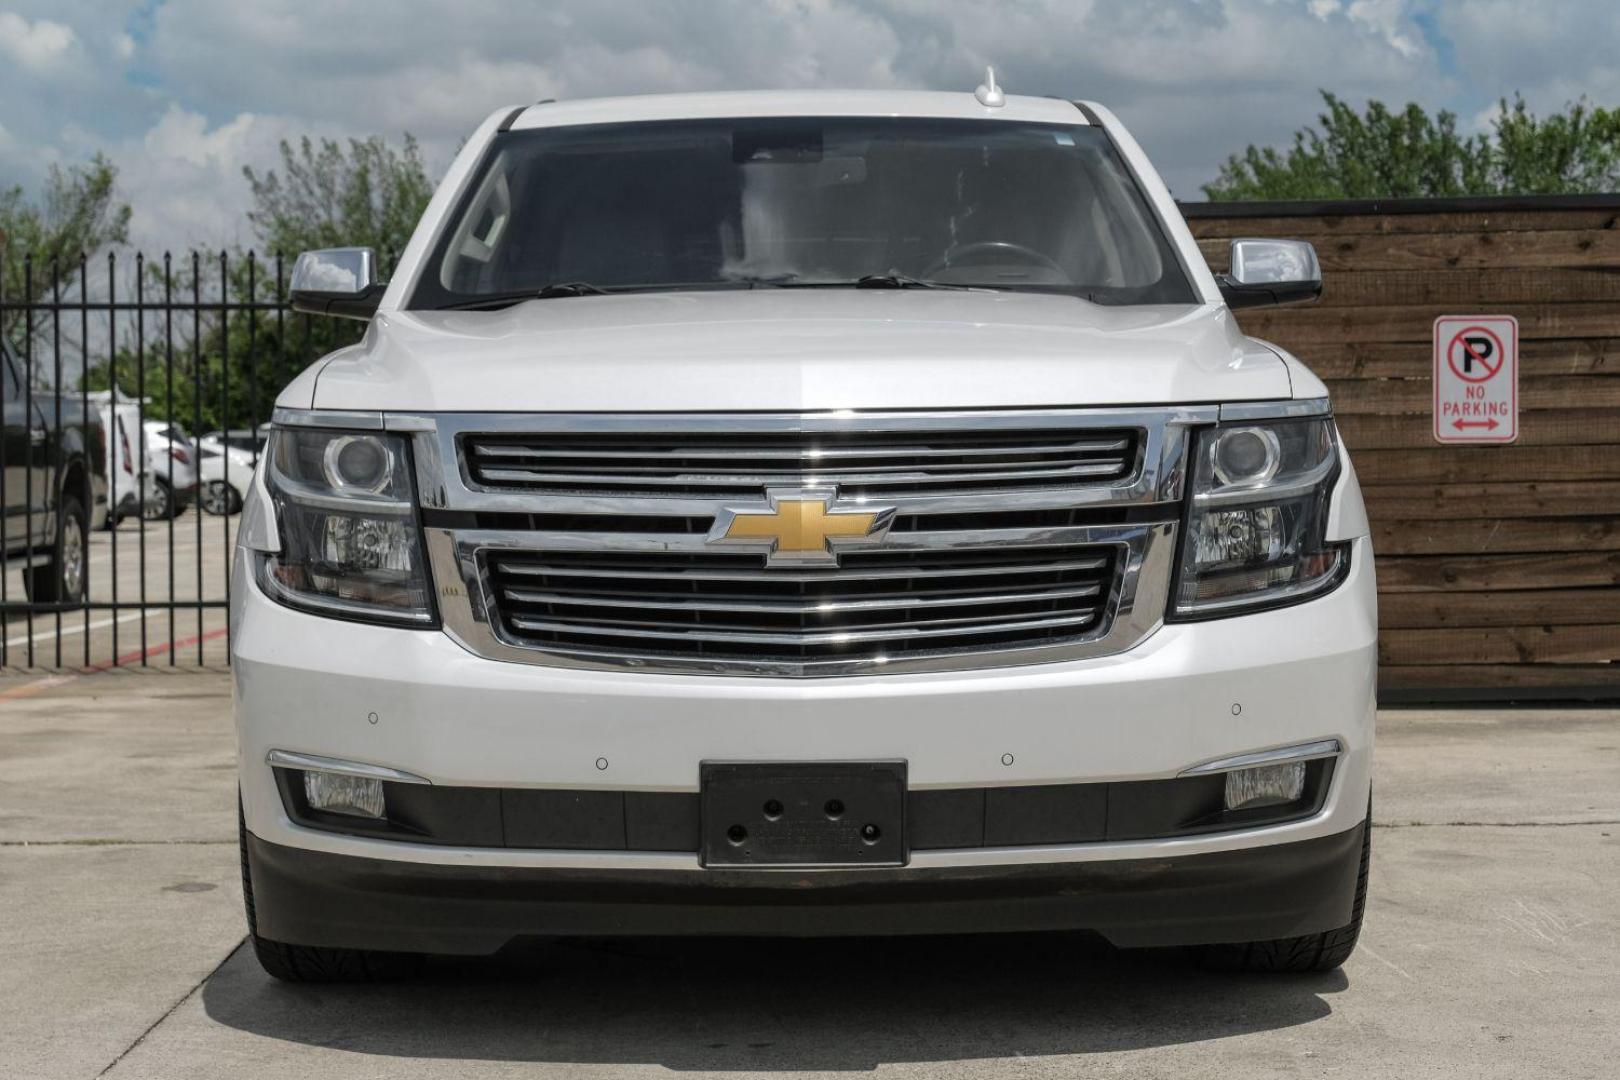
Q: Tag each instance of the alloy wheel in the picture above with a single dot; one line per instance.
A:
(72, 557)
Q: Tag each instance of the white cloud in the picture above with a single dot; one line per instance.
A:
(1391, 20)
(37, 45)
(124, 45)
(184, 137)
(183, 176)
(1553, 53)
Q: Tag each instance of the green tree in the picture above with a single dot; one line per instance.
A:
(79, 214)
(370, 195)
(1384, 154)
(1571, 153)
(229, 368)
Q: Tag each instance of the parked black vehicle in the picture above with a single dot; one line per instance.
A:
(52, 486)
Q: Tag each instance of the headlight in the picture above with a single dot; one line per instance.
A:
(346, 511)
(1256, 534)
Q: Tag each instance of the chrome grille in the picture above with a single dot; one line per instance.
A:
(878, 605)
(1015, 536)
(859, 462)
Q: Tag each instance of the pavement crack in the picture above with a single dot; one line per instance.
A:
(170, 1011)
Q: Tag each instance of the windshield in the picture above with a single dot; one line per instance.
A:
(799, 202)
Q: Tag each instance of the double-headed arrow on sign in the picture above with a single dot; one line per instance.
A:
(1462, 425)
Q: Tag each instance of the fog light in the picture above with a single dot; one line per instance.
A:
(357, 796)
(1265, 785)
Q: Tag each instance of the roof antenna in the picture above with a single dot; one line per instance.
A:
(989, 94)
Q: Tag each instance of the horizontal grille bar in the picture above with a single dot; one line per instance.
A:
(506, 450)
(758, 479)
(883, 604)
(838, 637)
(529, 596)
(752, 573)
(891, 463)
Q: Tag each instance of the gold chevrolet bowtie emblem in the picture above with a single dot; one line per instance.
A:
(800, 527)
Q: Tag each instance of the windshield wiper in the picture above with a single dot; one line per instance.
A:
(896, 280)
(507, 299)
(585, 288)
(570, 288)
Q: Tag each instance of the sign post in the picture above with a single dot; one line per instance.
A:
(1476, 379)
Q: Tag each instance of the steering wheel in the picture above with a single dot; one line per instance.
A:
(999, 247)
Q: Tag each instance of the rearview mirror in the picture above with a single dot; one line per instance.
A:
(1266, 272)
(337, 281)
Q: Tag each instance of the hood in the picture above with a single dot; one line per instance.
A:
(799, 350)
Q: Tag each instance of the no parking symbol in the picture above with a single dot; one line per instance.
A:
(1476, 379)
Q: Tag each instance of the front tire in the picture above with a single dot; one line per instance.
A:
(1307, 953)
(311, 963)
(62, 579)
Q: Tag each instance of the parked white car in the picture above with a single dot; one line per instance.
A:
(803, 513)
(174, 468)
(131, 485)
(224, 475)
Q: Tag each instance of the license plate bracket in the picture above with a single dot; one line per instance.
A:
(804, 814)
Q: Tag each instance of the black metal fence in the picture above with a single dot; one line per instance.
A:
(112, 363)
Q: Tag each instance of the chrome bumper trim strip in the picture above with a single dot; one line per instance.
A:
(286, 759)
(1311, 751)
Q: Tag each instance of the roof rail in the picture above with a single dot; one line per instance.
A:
(511, 117)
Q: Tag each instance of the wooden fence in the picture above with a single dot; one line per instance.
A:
(1498, 566)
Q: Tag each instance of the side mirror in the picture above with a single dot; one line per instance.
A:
(337, 281)
(1266, 272)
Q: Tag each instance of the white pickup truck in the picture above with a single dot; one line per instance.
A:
(806, 514)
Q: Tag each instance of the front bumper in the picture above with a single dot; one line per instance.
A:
(316, 898)
(416, 701)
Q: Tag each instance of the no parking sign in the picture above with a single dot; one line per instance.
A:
(1476, 379)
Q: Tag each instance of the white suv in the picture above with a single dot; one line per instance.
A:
(803, 513)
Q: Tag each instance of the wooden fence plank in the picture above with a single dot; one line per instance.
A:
(1511, 500)
(1402, 224)
(1506, 607)
(1310, 325)
(1416, 396)
(1539, 570)
(1567, 427)
(1505, 677)
(1415, 359)
(1493, 536)
(1469, 464)
(1598, 644)
(1465, 290)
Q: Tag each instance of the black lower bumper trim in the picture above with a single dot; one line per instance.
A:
(936, 818)
(1280, 890)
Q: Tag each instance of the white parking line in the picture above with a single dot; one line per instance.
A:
(46, 634)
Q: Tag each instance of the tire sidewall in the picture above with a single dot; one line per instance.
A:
(162, 507)
(72, 511)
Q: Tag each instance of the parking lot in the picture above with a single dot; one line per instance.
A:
(173, 562)
(1489, 948)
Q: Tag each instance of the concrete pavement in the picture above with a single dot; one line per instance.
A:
(1492, 944)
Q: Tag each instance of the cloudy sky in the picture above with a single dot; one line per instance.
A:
(183, 93)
